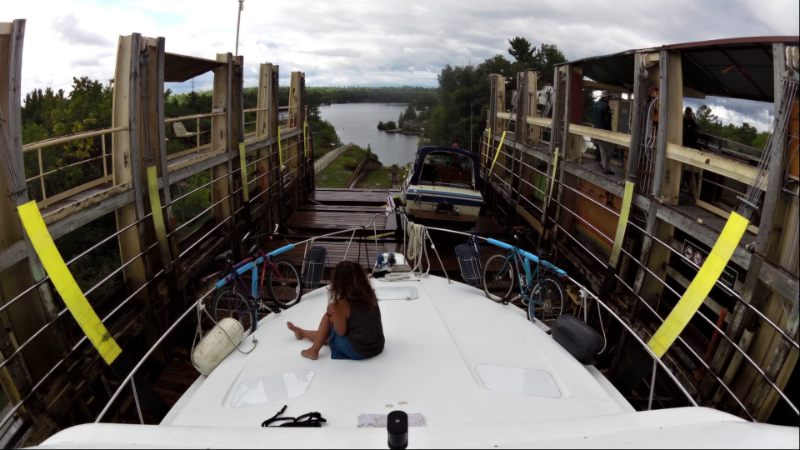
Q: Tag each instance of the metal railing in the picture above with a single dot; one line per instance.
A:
(199, 305)
(556, 182)
(52, 142)
(62, 314)
(197, 133)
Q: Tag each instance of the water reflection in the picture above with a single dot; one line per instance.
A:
(358, 122)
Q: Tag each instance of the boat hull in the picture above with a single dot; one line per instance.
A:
(439, 203)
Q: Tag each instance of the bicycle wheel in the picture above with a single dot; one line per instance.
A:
(549, 300)
(284, 284)
(232, 302)
(498, 277)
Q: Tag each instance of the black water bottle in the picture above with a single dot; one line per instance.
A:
(397, 427)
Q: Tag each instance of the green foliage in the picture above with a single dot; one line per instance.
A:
(761, 140)
(378, 178)
(745, 134)
(47, 114)
(420, 97)
(325, 137)
(522, 51)
(460, 115)
(387, 126)
(338, 172)
(410, 113)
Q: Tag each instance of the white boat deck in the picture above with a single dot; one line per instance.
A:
(433, 346)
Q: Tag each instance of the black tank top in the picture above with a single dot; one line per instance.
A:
(365, 330)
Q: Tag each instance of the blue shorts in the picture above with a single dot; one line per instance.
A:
(340, 347)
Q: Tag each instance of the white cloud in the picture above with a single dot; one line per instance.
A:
(365, 42)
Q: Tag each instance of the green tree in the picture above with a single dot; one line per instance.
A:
(747, 134)
(761, 140)
(410, 113)
(520, 48)
(706, 121)
(546, 59)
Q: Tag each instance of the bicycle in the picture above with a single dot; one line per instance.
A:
(541, 288)
(236, 300)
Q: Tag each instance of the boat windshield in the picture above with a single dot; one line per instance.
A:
(447, 169)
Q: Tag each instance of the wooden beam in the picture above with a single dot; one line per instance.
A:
(126, 157)
(589, 84)
(603, 135)
(13, 96)
(713, 162)
(531, 110)
(162, 139)
(722, 213)
(16, 377)
(219, 139)
(540, 121)
(772, 276)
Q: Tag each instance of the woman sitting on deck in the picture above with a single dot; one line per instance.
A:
(352, 325)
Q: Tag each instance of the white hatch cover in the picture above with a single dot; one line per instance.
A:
(272, 388)
(397, 293)
(518, 381)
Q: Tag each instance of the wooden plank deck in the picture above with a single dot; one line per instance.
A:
(335, 220)
(349, 196)
(78, 197)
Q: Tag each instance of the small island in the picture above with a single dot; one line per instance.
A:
(409, 122)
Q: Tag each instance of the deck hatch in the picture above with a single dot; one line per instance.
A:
(272, 388)
(518, 381)
(397, 293)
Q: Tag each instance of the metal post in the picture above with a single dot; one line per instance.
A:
(652, 386)
(103, 146)
(41, 177)
(238, 21)
(136, 399)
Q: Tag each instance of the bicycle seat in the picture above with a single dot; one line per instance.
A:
(225, 257)
(253, 250)
(544, 255)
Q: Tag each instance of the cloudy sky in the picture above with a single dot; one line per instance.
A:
(370, 42)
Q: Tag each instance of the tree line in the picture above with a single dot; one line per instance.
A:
(460, 114)
(745, 134)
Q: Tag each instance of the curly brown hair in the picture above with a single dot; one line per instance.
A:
(351, 282)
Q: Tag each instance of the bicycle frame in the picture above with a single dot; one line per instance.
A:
(253, 266)
(519, 255)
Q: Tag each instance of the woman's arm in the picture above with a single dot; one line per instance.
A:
(338, 312)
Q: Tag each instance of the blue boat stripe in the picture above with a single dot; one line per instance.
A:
(455, 201)
(451, 194)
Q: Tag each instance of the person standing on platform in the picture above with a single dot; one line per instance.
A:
(691, 132)
(601, 119)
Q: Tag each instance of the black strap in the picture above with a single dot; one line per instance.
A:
(310, 420)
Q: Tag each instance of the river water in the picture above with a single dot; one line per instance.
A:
(358, 123)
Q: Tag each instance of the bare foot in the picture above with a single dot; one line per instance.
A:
(310, 353)
(298, 332)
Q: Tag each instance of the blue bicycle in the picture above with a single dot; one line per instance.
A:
(236, 300)
(540, 288)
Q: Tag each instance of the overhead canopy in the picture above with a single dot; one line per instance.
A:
(180, 68)
(737, 68)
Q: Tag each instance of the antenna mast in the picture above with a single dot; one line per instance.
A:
(238, 21)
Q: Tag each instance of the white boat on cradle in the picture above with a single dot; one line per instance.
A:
(443, 183)
(474, 373)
